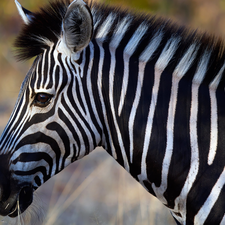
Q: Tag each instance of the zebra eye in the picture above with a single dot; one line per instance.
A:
(42, 99)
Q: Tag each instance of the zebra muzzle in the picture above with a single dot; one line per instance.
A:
(23, 200)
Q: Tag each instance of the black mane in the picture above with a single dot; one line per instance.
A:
(45, 28)
(45, 25)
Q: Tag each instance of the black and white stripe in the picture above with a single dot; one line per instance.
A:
(148, 91)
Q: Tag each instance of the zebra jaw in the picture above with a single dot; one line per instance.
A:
(23, 200)
(15, 197)
(17, 202)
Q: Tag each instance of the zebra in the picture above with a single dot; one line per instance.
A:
(147, 90)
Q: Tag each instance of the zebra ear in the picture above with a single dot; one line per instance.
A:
(77, 27)
(24, 13)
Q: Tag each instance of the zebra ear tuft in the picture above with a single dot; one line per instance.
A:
(24, 13)
(77, 27)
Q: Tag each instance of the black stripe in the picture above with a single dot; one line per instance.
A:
(62, 75)
(141, 118)
(39, 137)
(51, 65)
(180, 161)
(64, 118)
(217, 213)
(35, 156)
(83, 133)
(158, 138)
(70, 92)
(86, 94)
(41, 169)
(64, 138)
(46, 66)
(39, 75)
(96, 94)
(208, 175)
(18, 124)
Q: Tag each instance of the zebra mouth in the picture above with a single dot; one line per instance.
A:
(23, 200)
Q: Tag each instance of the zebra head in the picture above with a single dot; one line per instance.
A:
(50, 126)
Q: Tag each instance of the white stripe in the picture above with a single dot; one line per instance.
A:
(90, 90)
(179, 72)
(214, 116)
(87, 114)
(57, 65)
(202, 68)
(12, 125)
(77, 130)
(34, 148)
(128, 52)
(165, 57)
(152, 47)
(120, 139)
(120, 31)
(113, 46)
(223, 220)
(186, 61)
(87, 132)
(180, 201)
(99, 82)
(105, 27)
(167, 53)
(41, 76)
(18, 129)
(28, 166)
(36, 75)
(48, 68)
(210, 201)
(13, 138)
(143, 59)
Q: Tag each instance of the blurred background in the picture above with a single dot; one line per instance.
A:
(96, 190)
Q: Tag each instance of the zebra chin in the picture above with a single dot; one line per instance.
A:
(15, 196)
(23, 201)
(17, 203)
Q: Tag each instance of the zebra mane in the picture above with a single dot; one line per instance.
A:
(45, 28)
(205, 44)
